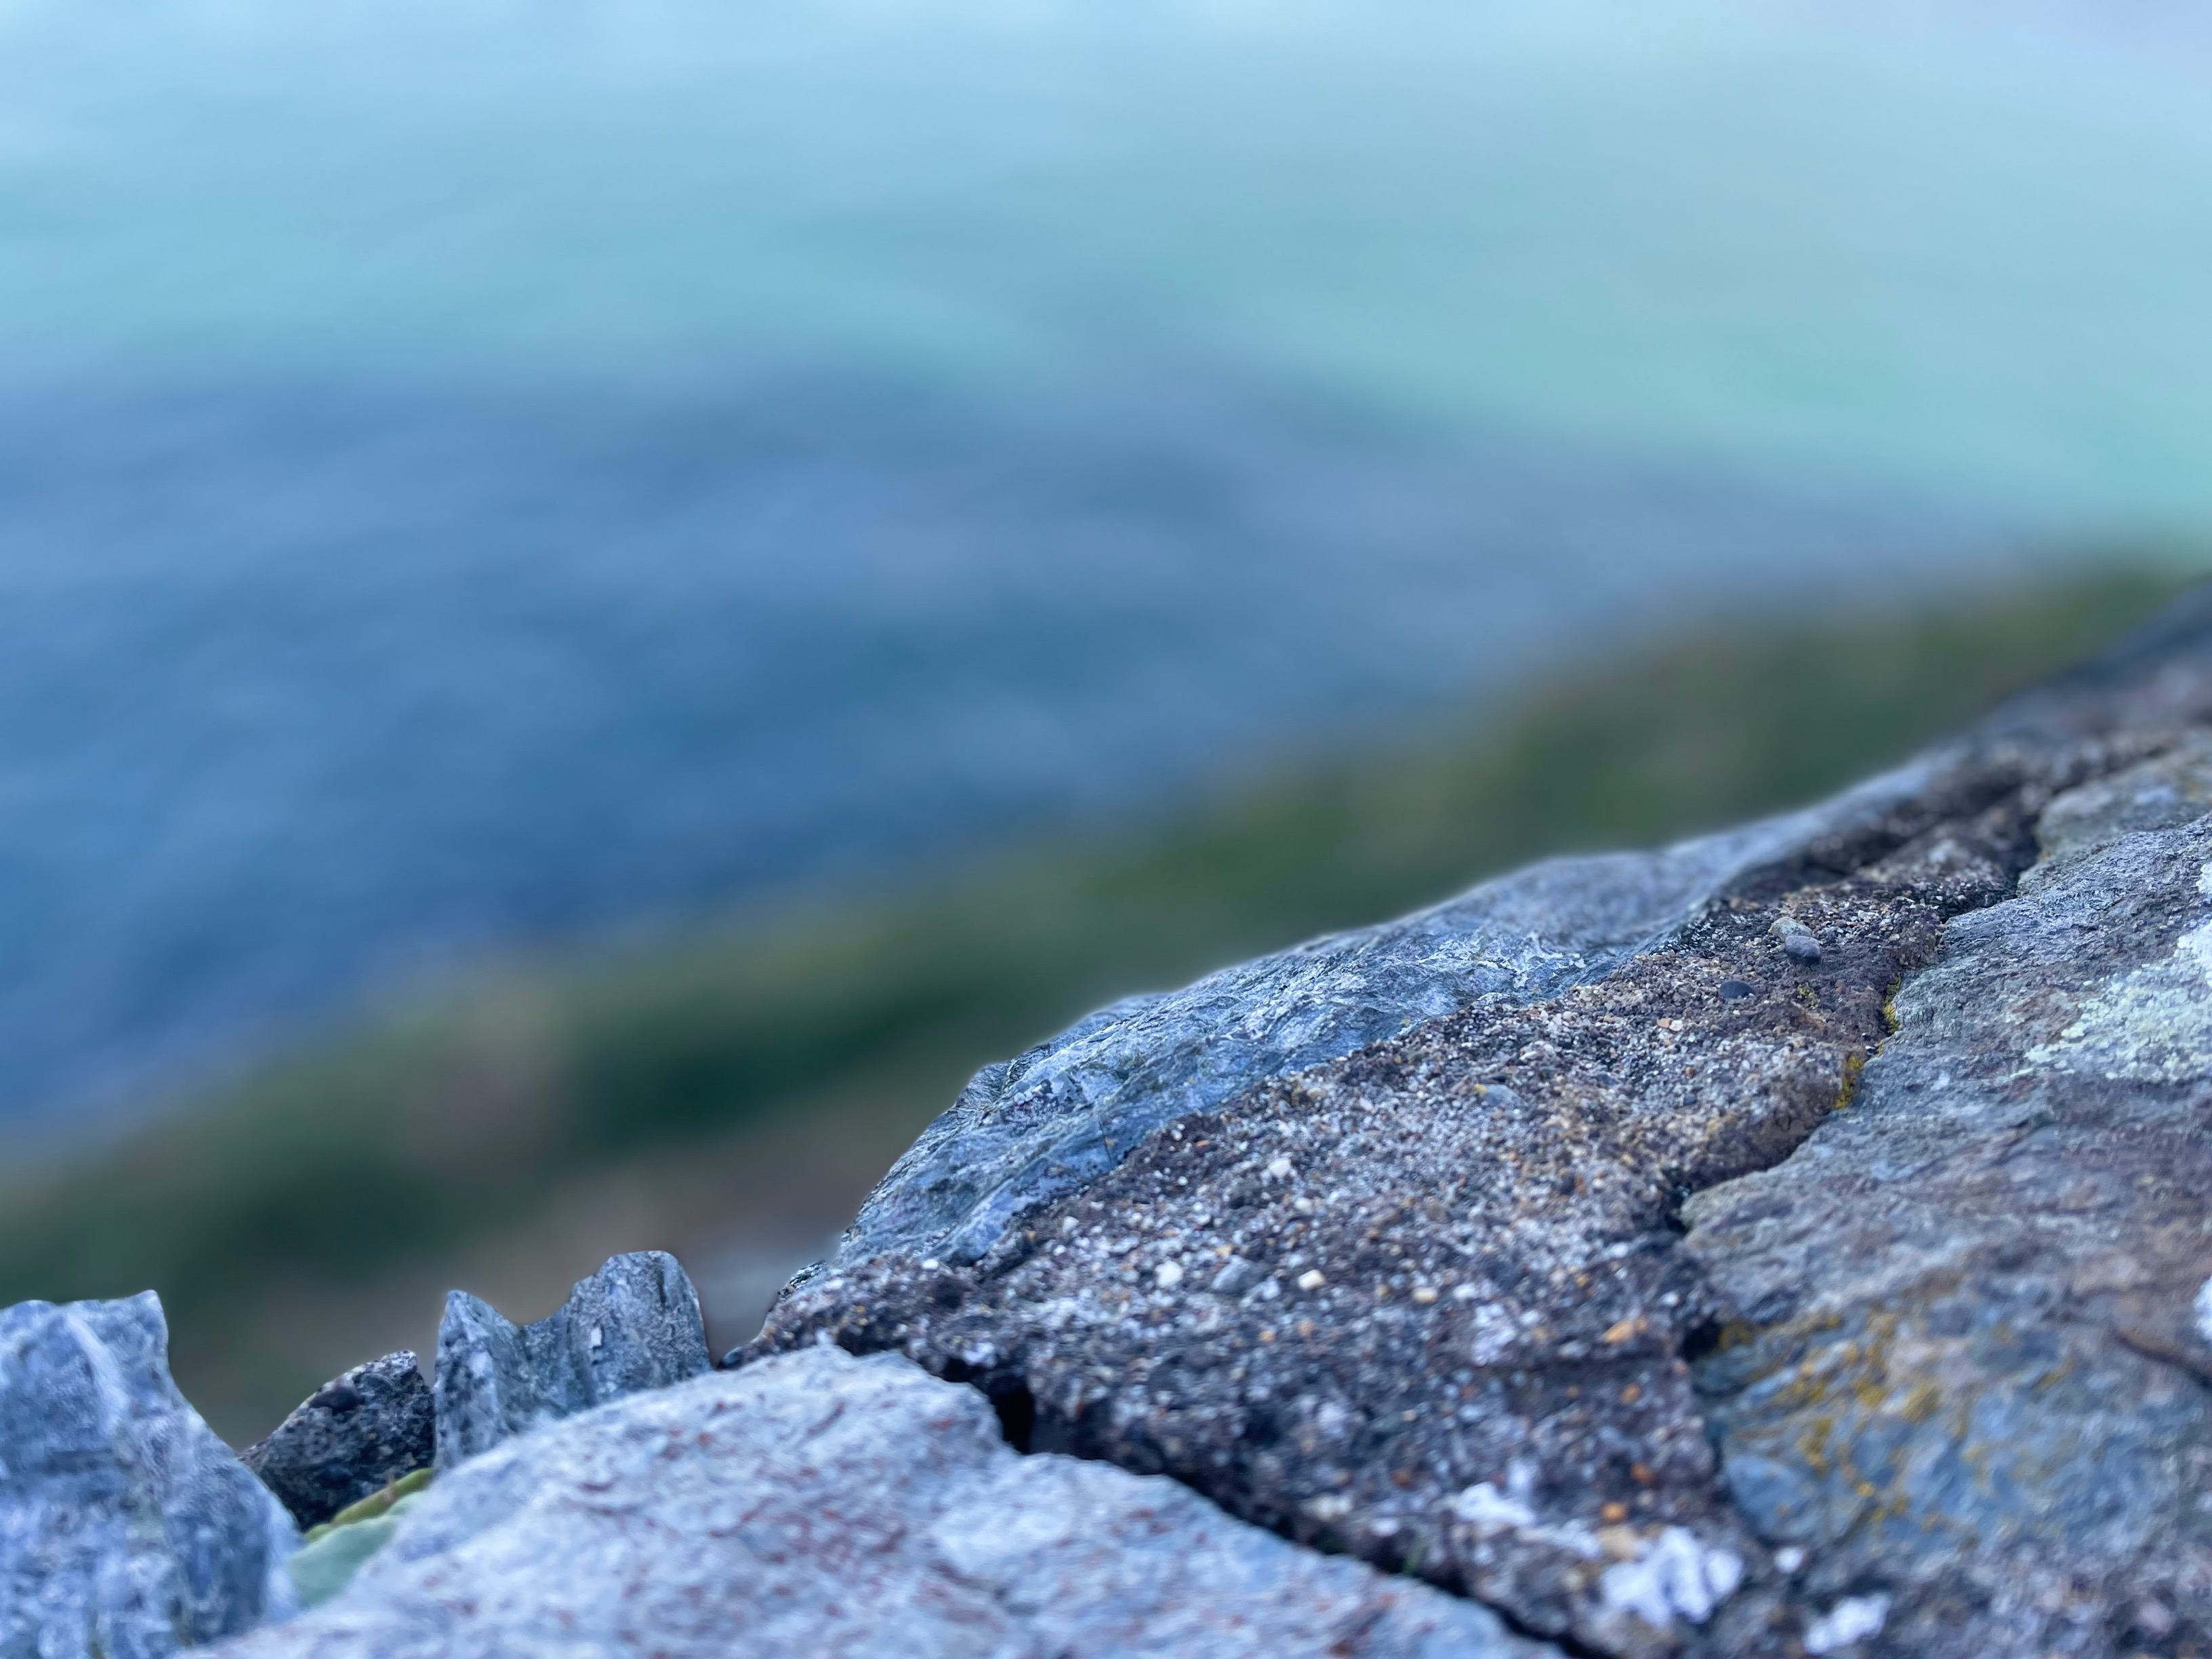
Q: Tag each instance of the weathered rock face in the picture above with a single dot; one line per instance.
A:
(352, 1437)
(1646, 1286)
(127, 1529)
(821, 1504)
(634, 1324)
(1970, 1365)
(1045, 1123)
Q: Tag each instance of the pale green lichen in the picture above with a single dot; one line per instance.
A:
(335, 1551)
(2151, 1025)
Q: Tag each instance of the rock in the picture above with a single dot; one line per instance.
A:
(1664, 1312)
(1798, 941)
(816, 1504)
(634, 1324)
(352, 1437)
(1045, 1123)
(127, 1529)
(1974, 1293)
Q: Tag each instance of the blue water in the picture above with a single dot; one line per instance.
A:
(480, 475)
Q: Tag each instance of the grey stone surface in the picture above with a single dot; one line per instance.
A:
(1026, 1130)
(634, 1324)
(1968, 1368)
(352, 1437)
(127, 1529)
(1664, 1299)
(822, 1505)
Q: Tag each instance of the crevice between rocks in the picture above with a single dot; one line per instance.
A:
(1962, 848)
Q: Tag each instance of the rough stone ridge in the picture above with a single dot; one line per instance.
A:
(634, 1324)
(823, 1505)
(1673, 1304)
(127, 1528)
(1044, 1123)
(352, 1437)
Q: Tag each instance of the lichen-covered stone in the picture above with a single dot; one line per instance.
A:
(1669, 1302)
(357, 1434)
(634, 1324)
(1966, 1367)
(819, 1505)
(127, 1529)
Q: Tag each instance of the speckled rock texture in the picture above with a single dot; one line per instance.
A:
(352, 1437)
(1046, 1122)
(127, 1529)
(847, 1509)
(634, 1324)
(1814, 1262)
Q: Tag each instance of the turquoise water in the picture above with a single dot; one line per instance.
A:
(478, 475)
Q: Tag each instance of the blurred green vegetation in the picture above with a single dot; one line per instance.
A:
(433, 1129)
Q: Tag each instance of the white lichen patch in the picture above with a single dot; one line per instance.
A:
(1854, 1619)
(1486, 1509)
(1677, 1576)
(2152, 1025)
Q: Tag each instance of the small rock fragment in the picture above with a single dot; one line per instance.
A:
(634, 1324)
(1735, 990)
(1237, 1276)
(1797, 941)
(352, 1437)
(127, 1528)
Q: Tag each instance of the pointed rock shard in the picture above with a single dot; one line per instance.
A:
(127, 1528)
(352, 1437)
(634, 1324)
(817, 1503)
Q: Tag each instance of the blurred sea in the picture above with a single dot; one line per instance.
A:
(476, 474)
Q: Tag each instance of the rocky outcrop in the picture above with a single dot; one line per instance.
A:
(634, 1324)
(127, 1529)
(1027, 1130)
(1795, 1241)
(354, 1436)
(822, 1504)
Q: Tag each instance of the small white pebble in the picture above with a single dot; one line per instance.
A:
(1279, 1169)
(1425, 1294)
(1312, 1279)
(1167, 1275)
(1464, 1293)
(929, 1264)
(1789, 1558)
(2204, 1311)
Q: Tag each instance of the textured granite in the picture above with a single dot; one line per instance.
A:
(127, 1529)
(828, 1506)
